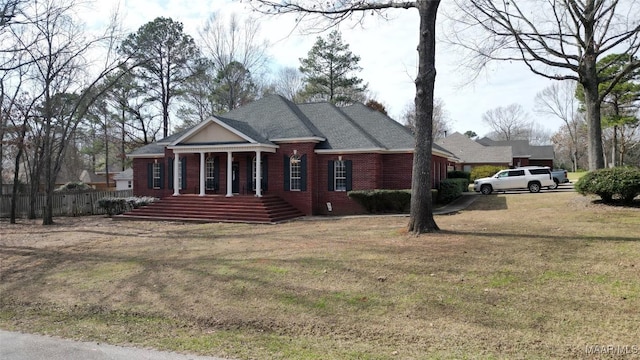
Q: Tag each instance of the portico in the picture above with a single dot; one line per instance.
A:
(258, 151)
(215, 137)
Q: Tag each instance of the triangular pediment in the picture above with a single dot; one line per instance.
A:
(211, 132)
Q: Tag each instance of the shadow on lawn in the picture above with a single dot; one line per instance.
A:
(542, 236)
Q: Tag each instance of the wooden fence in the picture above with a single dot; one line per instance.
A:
(64, 204)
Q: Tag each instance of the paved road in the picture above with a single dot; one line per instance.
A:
(18, 346)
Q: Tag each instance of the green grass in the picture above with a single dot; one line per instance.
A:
(575, 176)
(533, 276)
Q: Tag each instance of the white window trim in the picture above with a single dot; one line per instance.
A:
(209, 172)
(157, 175)
(343, 165)
(295, 160)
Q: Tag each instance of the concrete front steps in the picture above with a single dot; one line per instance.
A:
(216, 208)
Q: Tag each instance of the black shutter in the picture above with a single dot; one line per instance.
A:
(216, 173)
(162, 175)
(150, 175)
(170, 161)
(184, 173)
(287, 175)
(349, 168)
(303, 173)
(250, 174)
(265, 172)
(330, 170)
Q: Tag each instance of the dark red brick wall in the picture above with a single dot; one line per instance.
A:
(140, 184)
(302, 200)
(369, 171)
(397, 172)
(366, 175)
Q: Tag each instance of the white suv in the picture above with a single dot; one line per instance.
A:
(533, 178)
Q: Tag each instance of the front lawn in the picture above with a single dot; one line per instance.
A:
(536, 276)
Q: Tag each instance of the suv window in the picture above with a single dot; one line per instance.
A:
(540, 171)
(516, 173)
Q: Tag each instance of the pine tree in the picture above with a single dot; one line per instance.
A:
(327, 70)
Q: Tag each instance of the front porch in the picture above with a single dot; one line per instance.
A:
(267, 209)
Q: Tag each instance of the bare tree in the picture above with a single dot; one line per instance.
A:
(15, 105)
(288, 82)
(421, 218)
(62, 83)
(199, 102)
(8, 10)
(559, 100)
(236, 51)
(508, 123)
(566, 151)
(441, 120)
(557, 39)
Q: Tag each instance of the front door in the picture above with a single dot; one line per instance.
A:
(235, 171)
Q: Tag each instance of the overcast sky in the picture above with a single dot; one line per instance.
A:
(388, 58)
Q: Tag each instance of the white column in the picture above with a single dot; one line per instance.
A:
(258, 175)
(202, 174)
(176, 168)
(229, 174)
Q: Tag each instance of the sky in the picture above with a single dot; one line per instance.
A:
(387, 51)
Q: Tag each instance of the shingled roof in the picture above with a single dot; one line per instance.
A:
(472, 152)
(275, 119)
(522, 148)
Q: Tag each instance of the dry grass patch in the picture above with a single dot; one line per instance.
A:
(514, 276)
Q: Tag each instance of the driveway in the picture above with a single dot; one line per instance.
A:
(18, 346)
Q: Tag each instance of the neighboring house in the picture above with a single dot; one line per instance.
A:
(485, 151)
(471, 153)
(524, 154)
(96, 181)
(310, 155)
(124, 179)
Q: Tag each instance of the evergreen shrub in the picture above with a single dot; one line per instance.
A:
(613, 184)
(485, 171)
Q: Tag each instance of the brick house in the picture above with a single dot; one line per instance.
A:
(523, 153)
(309, 155)
(513, 153)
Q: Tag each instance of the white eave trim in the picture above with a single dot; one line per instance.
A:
(350, 151)
(379, 151)
(184, 149)
(315, 139)
(157, 155)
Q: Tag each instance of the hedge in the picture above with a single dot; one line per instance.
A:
(451, 189)
(115, 206)
(458, 174)
(485, 171)
(612, 184)
(383, 201)
(390, 201)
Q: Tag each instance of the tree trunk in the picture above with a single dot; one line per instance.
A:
(421, 219)
(589, 79)
(123, 139)
(614, 148)
(16, 172)
(106, 149)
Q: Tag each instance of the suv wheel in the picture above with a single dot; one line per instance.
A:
(486, 189)
(534, 187)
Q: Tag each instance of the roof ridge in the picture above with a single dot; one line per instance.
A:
(301, 116)
(396, 123)
(359, 127)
